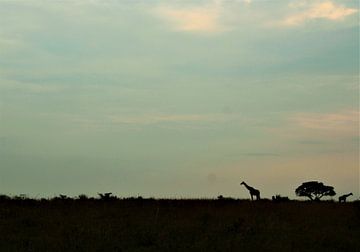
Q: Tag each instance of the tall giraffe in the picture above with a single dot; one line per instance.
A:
(343, 197)
(252, 191)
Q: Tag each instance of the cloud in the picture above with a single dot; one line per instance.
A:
(342, 122)
(215, 16)
(323, 126)
(138, 121)
(320, 127)
(309, 133)
(166, 118)
(204, 19)
(32, 88)
(6, 43)
(317, 10)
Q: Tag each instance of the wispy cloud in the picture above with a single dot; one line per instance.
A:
(204, 19)
(164, 118)
(6, 43)
(33, 88)
(345, 121)
(260, 154)
(139, 121)
(201, 18)
(339, 126)
(310, 10)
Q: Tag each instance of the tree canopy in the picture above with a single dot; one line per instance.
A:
(314, 190)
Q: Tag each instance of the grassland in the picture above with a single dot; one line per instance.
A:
(177, 225)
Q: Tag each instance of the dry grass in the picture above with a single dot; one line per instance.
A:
(178, 225)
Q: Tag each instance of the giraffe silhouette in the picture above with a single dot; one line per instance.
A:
(253, 192)
(343, 197)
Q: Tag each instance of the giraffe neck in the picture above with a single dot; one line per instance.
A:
(248, 187)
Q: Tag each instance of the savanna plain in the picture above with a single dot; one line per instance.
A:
(140, 224)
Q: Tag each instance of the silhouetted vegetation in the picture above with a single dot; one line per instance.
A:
(148, 224)
(314, 190)
(107, 196)
(279, 198)
(62, 196)
(83, 197)
(222, 198)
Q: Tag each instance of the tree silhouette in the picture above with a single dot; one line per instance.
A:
(106, 196)
(314, 190)
(279, 198)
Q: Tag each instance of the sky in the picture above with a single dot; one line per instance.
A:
(178, 98)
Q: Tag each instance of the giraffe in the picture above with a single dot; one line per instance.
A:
(252, 191)
(343, 197)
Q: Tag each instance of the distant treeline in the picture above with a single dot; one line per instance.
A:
(111, 197)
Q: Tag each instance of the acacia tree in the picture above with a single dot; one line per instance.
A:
(314, 190)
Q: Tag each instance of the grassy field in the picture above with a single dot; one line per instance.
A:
(178, 225)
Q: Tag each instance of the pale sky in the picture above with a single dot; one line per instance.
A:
(178, 98)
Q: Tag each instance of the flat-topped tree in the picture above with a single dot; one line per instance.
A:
(314, 190)
(106, 196)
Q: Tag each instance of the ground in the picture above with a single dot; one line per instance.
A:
(177, 225)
